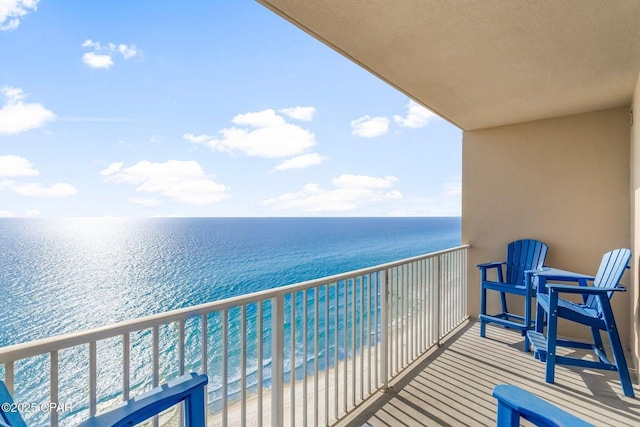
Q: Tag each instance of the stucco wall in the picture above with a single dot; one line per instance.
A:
(635, 228)
(565, 181)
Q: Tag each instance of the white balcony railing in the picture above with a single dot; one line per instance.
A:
(304, 354)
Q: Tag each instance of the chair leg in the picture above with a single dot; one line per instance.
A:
(552, 329)
(616, 347)
(506, 416)
(483, 311)
(527, 322)
(503, 303)
(195, 409)
(621, 364)
(597, 340)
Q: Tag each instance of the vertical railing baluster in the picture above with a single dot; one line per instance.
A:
(438, 303)
(156, 363)
(243, 365)
(292, 389)
(369, 288)
(449, 294)
(9, 377)
(53, 387)
(93, 381)
(377, 323)
(392, 298)
(353, 341)
(204, 339)
(419, 307)
(397, 301)
(225, 367)
(384, 322)
(181, 333)
(327, 329)
(361, 332)
(412, 302)
(345, 376)
(181, 364)
(305, 339)
(316, 353)
(156, 355)
(277, 354)
(405, 316)
(465, 278)
(260, 328)
(336, 336)
(413, 311)
(126, 365)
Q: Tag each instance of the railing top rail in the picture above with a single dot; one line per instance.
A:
(59, 342)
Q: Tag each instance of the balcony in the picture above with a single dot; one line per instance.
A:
(451, 385)
(386, 345)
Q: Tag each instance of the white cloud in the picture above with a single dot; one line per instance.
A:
(261, 119)
(350, 193)
(16, 166)
(12, 166)
(127, 51)
(266, 134)
(16, 116)
(147, 203)
(183, 181)
(96, 60)
(417, 116)
(113, 168)
(36, 189)
(12, 11)
(368, 127)
(301, 162)
(33, 213)
(304, 114)
(197, 139)
(102, 55)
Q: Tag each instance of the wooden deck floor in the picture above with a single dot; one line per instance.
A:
(452, 386)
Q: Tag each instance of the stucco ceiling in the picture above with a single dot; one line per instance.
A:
(488, 63)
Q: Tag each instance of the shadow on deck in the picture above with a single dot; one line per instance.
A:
(452, 385)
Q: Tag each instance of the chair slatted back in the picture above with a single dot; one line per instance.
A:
(611, 269)
(524, 255)
(12, 418)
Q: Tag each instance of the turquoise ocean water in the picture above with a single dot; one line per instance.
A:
(64, 275)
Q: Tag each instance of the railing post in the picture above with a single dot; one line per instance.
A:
(277, 354)
(9, 377)
(438, 301)
(384, 328)
(53, 387)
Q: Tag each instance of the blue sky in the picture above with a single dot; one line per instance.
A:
(200, 108)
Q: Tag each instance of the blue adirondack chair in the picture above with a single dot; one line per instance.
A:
(522, 256)
(515, 403)
(189, 388)
(595, 312)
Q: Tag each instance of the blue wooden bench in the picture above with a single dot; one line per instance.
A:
(189, 388)
(515, 403)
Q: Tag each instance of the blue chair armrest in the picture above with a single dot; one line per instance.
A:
(514, 402)
(146, 405)
(562, 275)
(583, 290)
(494, 264)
